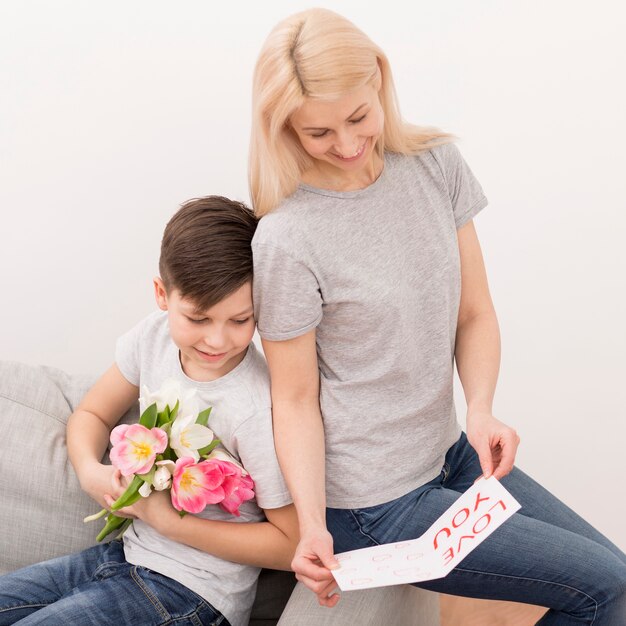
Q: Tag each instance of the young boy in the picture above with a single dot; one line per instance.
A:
(199, 569)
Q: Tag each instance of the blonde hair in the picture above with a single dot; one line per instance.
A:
(320, 55)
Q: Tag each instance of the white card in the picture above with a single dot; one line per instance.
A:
(465, 525)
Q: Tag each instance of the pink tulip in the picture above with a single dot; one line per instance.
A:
(135, 448)
(244, 491)
(194, 485)
(237, 487)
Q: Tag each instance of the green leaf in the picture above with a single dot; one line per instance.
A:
(174, 411)
(149, 416)
(163, 417)
(203, 417)
(207, 449)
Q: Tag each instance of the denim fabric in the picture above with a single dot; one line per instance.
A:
(98, 586)
(545, 554)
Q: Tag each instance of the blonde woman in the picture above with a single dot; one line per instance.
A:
(369, 285)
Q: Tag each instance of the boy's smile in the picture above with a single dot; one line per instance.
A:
(207, 356)
(211, 342)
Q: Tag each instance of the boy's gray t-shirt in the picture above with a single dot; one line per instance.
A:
(376, 272)
(241, 418)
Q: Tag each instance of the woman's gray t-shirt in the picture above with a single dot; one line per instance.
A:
(376, 272)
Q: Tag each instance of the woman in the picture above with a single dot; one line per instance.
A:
(369, 284)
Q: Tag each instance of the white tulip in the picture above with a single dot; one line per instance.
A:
(168, 395)
(163, 475)
(187, 437)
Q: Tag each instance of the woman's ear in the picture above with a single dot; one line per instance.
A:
(160, 293)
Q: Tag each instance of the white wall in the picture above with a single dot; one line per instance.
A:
(112, 113)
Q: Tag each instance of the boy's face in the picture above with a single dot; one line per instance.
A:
(211, 342)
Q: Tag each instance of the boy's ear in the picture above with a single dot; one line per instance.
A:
(160, 293)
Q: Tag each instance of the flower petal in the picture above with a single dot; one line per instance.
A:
(136, 449)
(223, 455)
(162, 479)
(182, 452)
(170, 465)
(118, 433)
(167, 395)
(197, 436)
(188, 491)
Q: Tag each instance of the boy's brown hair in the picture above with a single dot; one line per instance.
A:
(206, 252)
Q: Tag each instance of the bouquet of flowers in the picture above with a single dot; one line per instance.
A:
(173, 448)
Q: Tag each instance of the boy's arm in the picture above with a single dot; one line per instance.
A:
(263, 544)
(88, 430)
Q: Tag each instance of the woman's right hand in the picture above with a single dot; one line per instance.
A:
(313, 562)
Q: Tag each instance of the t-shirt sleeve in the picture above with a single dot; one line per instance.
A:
(287, 299)
(254, 442)
(128, 354)
(466, 194)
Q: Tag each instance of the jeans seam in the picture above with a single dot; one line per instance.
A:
(104, 566)
(24, 606)
(354, 517)
(194, 616)
(535, 580)
(151, 596)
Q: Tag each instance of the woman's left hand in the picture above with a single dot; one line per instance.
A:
(494, 442)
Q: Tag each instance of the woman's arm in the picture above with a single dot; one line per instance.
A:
(299, 438)
(477, 356)
(88, 430)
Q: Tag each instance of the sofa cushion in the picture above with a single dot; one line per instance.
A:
(42, 503)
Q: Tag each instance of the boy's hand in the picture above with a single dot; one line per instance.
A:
(156, 510)
(117, 486)
(95, 480)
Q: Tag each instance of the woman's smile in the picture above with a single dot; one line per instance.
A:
(357, 155)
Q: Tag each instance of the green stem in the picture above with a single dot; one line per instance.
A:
(113, 523)
(95, 516)
(124, 528)
(130, 496)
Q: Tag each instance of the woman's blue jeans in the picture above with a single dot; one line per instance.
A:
(545, 554)
(98, 587)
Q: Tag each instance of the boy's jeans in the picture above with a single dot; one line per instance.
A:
(545, 554)
(98, 586)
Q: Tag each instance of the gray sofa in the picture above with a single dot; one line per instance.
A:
(43, 508)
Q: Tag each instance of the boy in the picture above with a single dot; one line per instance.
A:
(199, 569)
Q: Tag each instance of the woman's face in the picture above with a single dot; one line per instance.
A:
(341, 134)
